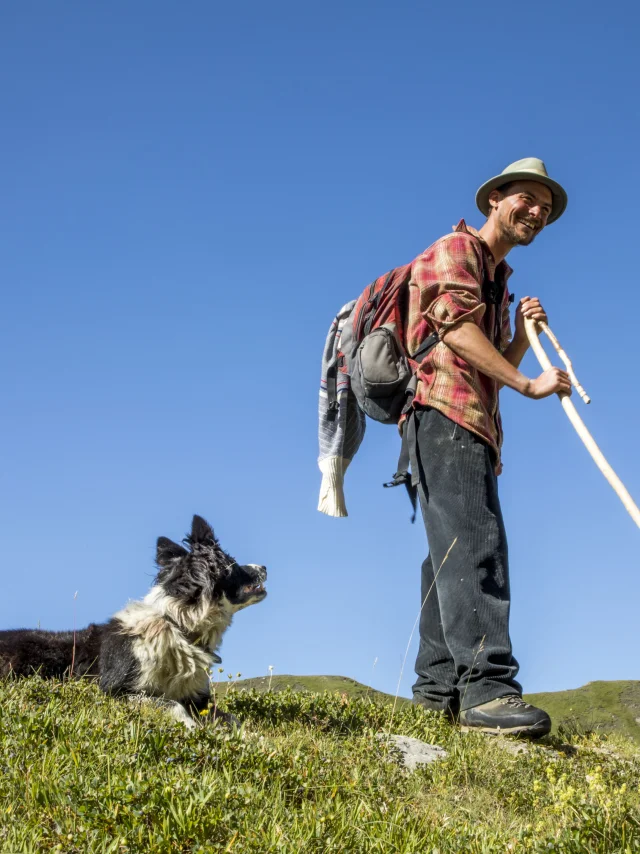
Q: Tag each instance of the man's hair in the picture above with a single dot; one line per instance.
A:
(504, 188)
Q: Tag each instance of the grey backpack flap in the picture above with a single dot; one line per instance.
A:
(382, 375)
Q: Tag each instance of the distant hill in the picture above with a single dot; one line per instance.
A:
(602, 706)
(316, 684)
(608, 707)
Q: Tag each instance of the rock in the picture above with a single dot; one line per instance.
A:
(412, 751)
(515, 748)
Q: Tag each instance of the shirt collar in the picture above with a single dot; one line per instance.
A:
(502, 268)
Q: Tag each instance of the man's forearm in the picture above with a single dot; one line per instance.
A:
(471, 344)
(515, 351)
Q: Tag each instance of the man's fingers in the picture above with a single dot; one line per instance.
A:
(531, 308)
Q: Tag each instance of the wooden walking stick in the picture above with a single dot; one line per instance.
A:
(531, 327)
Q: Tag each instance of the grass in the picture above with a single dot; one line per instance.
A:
(80, 772)
(602, 707)
(316, 684)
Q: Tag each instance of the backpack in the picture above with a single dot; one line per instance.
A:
(366, 361)
(372, 350)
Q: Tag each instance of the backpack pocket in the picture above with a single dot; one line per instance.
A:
(381, 374)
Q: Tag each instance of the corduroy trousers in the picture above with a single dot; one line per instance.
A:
(464, 658)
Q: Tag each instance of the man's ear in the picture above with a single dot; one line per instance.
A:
(201, 532)
(167, 550)
(495, 197)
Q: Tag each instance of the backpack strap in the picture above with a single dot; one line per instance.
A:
(332, 391)
(407, 461)
(428, 344)
(492, 292)
(373, 303)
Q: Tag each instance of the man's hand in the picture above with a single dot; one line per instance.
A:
(553, 381)
(528, 307)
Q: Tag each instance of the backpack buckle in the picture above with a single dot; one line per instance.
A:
(332, 410)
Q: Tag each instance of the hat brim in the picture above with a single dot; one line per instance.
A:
(558, 204)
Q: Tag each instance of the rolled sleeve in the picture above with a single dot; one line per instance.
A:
(449, 309)
(449, 276)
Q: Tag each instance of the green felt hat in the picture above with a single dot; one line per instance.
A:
(529, 169)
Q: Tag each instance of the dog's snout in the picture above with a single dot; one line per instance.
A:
(261, 571)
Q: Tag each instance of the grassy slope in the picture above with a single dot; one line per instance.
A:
(603, 706)
(339, 684)
(609, 707)
(85, 774)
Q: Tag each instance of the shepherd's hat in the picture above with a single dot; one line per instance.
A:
(529, 169)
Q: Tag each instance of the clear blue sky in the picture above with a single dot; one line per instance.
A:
(189, 193)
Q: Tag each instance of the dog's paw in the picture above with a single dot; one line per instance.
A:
(227, 719)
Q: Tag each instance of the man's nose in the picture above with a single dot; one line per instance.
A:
(536, 211)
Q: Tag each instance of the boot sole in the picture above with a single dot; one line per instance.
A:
(531, 732)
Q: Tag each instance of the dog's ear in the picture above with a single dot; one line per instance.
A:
(201, 532)
(167, 550)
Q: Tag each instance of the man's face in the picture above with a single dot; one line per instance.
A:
(522, 211)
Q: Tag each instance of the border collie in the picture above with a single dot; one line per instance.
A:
(162, 647)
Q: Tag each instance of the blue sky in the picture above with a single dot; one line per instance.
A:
(189, 193)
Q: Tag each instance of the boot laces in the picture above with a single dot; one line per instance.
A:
(515, 701)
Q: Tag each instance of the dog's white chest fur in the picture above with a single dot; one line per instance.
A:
(174, 643)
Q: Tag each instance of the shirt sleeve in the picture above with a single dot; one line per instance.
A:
(449, 276)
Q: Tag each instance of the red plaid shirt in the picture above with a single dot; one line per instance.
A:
(445, 288)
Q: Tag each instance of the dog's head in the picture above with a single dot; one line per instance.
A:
(204, 570)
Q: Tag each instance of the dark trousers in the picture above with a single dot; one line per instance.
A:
(464, 658)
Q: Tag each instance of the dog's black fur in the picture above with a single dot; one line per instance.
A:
(26, 651)
(160, 647)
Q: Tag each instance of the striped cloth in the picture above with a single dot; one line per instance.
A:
(340, 437)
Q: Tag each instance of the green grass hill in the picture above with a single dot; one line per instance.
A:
(606, 707)
(82, 773)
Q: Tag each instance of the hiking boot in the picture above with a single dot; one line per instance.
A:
(506, 716)
(450, 710)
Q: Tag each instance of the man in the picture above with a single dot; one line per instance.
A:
(465, 665)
